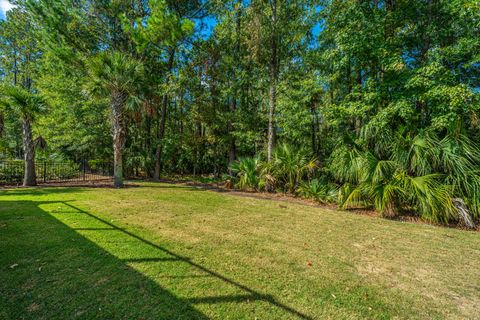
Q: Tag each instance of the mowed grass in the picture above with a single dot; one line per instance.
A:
(161, 251)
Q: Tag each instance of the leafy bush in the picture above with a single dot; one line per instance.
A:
(247, 173)
(422, 174)
(285, 172)
(317, 190)
(288, 167)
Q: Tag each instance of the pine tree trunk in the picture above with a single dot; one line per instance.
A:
(30, 178)
(148, 144)
(273, 85)
(271, 117)
(2, 124)
(232, 152)
(314, 125)
(358, 120)
(117, 103)
(163, 117)
(15, 70)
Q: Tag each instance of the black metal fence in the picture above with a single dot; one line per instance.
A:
(12, 171)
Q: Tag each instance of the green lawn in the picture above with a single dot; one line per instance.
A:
(162, 251)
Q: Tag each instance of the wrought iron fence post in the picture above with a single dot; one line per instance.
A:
(84, 168)
(44, 171)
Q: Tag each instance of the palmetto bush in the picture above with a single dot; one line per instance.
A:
(318, 190)
(288, 167)
(285, 172)
(247, 172)
(418, 173)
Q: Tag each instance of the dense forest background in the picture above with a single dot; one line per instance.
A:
(359, 102)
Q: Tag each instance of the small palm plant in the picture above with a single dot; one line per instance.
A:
(27, 106)
(247, 172)
(289, 165)
(318, 190)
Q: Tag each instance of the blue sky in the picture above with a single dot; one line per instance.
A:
(4, 7)
(209, 22)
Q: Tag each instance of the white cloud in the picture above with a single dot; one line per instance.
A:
(5, 6)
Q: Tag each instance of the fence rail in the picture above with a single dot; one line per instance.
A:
(12, 171)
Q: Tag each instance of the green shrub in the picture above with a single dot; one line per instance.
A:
(247, 173)
(421, 174)
(288, 168)
(317, 190)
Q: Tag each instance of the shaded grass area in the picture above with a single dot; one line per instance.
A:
(164, 251)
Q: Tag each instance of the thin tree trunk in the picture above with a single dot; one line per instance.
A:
(273, 85)
(426, 37)
(163, 116)
(30, 178)
(271, 115)
(148, 143)
(358, 120)
(15, 70)
(314, 124)
(232, 154)
(119, 136)
(2, 124)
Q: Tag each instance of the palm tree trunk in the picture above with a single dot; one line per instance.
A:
(117, 102)
(30, 178)
(163, 117)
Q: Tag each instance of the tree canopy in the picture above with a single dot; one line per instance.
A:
(377, 100)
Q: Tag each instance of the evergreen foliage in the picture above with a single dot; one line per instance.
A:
(363, 103)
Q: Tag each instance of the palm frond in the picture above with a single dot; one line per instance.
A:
(114, 71)
(22, 101)
(247, 172)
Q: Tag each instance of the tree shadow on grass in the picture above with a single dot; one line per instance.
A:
(67, 189)
(39, 191)
(74, 264)
(50, 271)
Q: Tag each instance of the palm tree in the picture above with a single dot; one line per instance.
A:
(27, 105)
(117, 76)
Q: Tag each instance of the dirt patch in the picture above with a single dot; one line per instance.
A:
(33, 307)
